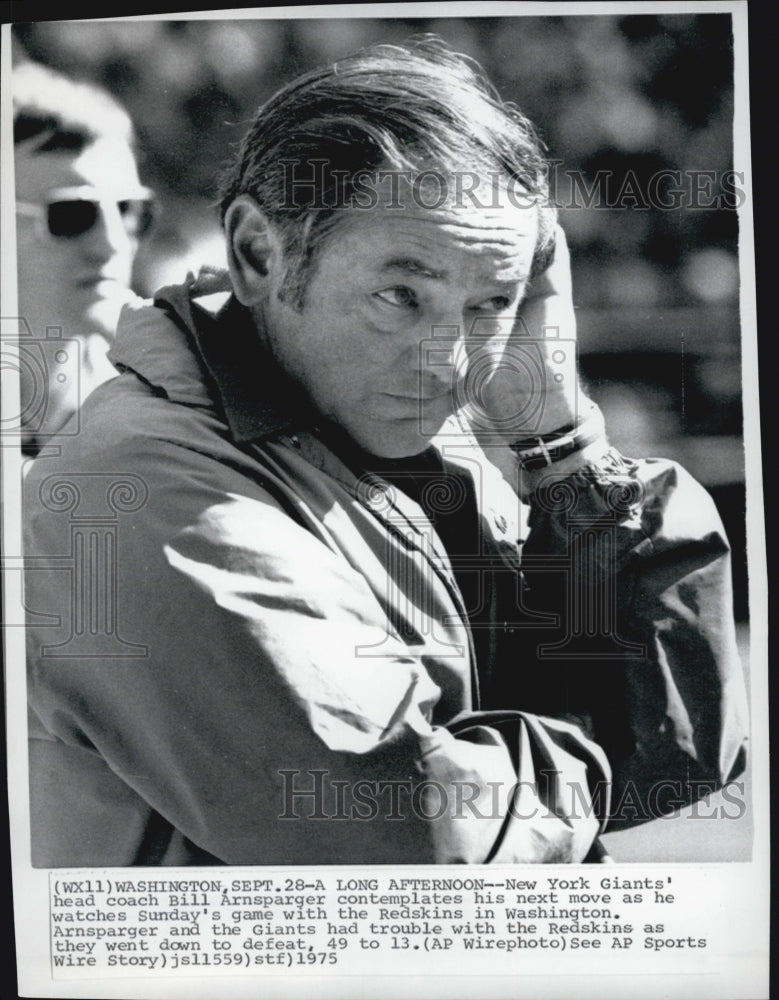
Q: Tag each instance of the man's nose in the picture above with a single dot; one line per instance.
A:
(108, 237)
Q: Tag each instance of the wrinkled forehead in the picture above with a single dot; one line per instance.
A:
(459, 190)
(478, 219)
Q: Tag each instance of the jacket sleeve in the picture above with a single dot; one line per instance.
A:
(242, 713)
(648, 627)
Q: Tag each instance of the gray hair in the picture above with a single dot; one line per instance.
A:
(420, 106)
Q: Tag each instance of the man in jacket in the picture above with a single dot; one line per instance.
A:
(341, 568)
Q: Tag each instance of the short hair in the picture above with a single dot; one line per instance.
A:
(54, 113)
(417, 106)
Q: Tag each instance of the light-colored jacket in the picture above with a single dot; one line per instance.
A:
(243, 651)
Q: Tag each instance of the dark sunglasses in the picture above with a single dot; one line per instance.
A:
(73, 211)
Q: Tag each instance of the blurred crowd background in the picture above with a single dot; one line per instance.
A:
(617, 99)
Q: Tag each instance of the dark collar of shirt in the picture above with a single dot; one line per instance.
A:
(257, 397)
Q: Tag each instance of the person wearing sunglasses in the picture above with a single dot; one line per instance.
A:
(80, 213)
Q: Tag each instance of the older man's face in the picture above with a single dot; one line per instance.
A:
(78, 283)
(393, 297)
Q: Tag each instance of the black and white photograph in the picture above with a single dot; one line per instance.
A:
(381, 476)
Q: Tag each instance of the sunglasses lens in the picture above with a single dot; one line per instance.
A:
(71, 218)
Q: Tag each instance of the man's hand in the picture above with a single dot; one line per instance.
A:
(533, 386)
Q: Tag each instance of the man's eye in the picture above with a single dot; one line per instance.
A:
(498, 303)
(398, 295)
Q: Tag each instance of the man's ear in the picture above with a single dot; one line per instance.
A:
(253, 250)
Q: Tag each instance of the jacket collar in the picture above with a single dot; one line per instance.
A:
(225, 361)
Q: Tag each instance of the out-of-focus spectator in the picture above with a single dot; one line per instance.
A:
(81, 211)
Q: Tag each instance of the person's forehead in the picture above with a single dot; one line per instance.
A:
(488, 241)
(106, 164)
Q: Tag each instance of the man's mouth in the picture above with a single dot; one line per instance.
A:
(93, 281)
(421, 397)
